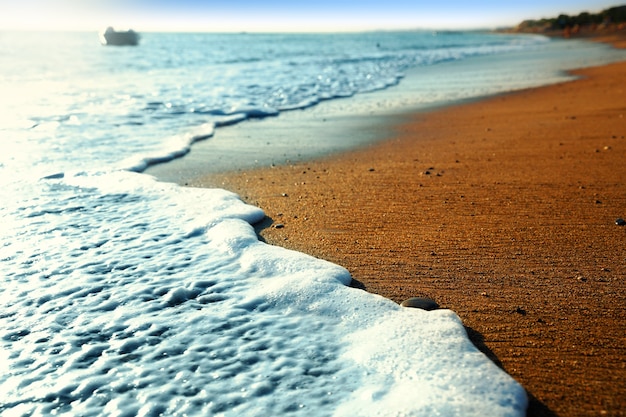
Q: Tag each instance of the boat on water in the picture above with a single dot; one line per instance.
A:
(114, 37)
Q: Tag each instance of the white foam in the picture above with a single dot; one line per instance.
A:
(165, 301)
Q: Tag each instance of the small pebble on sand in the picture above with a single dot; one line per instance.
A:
(421, 302)
(620, 222)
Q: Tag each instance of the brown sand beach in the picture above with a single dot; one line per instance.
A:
(503, 210)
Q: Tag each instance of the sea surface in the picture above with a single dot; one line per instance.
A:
(123, 295)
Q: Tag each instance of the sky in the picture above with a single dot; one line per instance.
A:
(281, 15)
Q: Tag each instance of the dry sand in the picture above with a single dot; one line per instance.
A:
(502, 210)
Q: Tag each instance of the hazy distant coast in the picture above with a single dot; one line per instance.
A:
(585, 24)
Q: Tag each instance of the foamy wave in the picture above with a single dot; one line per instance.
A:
(147, 298)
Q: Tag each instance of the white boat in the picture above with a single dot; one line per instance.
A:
(111, 36)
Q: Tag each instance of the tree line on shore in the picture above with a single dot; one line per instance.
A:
(613, 15)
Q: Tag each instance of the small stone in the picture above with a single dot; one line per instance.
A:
(620, 222)
(285, 195)
(279, 226)
(423, 303)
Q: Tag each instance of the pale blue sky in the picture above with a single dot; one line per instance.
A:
(281, 15)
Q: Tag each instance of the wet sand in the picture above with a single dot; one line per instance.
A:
(502, 210)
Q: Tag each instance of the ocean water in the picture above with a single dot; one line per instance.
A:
(123, 295)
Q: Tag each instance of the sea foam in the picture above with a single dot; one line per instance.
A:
(118, 311)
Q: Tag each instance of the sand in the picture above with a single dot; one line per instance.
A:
(502, 210)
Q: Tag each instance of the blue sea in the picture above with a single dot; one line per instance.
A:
(125, 295)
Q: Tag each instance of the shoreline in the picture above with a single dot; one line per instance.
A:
(502, 211)
(344, 124)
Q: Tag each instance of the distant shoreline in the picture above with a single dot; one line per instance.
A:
(614, 34)
(608, 26)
